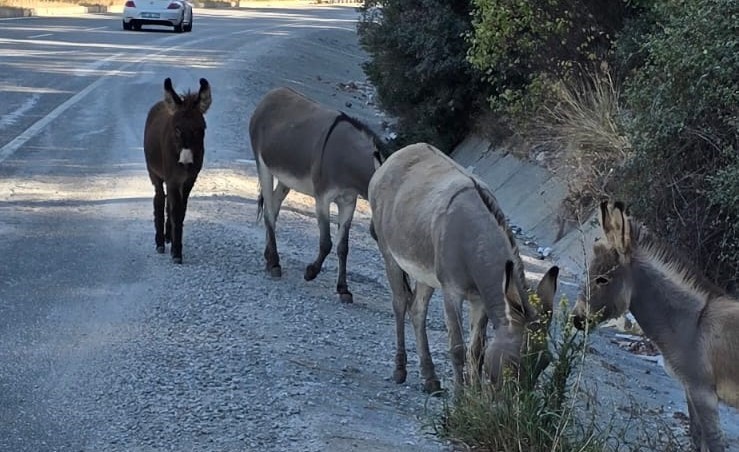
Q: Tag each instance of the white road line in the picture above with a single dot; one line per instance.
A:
(39, 36)
(7, 150)
(12, 117)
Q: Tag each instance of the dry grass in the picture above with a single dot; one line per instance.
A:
(582, 125)
(523, 416)
(555, 414)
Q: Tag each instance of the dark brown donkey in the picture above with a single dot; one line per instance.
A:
(442, 226)
(174, 149)
(694, 324)
(317, 151)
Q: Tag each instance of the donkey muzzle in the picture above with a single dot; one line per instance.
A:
(579, 322)
(186, 157)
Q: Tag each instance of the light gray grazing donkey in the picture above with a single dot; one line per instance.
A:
(692, 322)
(440, 225)
(525, 334)
(317, 151)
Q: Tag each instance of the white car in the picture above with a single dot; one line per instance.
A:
(172, 13)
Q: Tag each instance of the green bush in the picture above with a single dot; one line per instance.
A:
(418, 65)
(684, 177)
(523, 47)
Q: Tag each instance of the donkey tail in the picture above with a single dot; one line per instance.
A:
(372, 231)
(407, 283)
(260, 198)
(260, 205)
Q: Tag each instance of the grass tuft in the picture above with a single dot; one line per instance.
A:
(523, 415)
(582, 123)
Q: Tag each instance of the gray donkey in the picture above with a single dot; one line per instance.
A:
(440, 225)
(317, 151)
(692, 322)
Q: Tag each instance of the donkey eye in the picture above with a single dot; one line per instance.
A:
(601, 280)
(178, 132)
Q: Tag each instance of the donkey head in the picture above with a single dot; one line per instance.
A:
(608, 291)
(522, 344)
(188, 123)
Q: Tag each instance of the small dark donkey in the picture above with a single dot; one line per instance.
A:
(693, 323)
(174, 148)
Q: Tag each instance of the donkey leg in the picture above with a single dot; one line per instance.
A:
(271, 257)
(696, 434)
(176, 215)
(478, 326)
(278, 196)
(704, 400)
(401, 299)
(159, 203)
(453, 315)
(167, 223)
(419, 311)
(186, 189)
(324, 226)
(346, 212)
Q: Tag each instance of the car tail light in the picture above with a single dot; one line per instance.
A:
(174, 5)
(130, 4)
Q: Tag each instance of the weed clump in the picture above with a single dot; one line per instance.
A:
(525, 415)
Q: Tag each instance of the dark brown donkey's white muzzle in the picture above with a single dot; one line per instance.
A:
(186, 157)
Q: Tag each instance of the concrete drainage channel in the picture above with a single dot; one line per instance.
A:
(530, 196)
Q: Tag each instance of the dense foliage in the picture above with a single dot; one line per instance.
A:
(419, 68)
(641, 96)
(525, 46)
(684, 176)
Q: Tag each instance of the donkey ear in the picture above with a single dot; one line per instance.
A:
(606, 222)
(171, 98)
(204, 98)
(512, 297)
(546, 289)
(615, 224)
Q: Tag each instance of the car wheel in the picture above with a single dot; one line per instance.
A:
(126, 26)
(188, 27)
(178, 28)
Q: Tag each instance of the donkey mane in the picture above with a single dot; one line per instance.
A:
(492, 204)
(672, 264)
(190, 99)
(379, 143)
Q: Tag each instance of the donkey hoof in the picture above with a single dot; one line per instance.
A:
(160, 249)
(177, 260)
(275, 271)
(311, 272)
(346, 297)
(432, 387)
(399, 375)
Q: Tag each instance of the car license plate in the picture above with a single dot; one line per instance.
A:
(150, 15)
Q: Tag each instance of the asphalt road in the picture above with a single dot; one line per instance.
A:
(80, 284)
